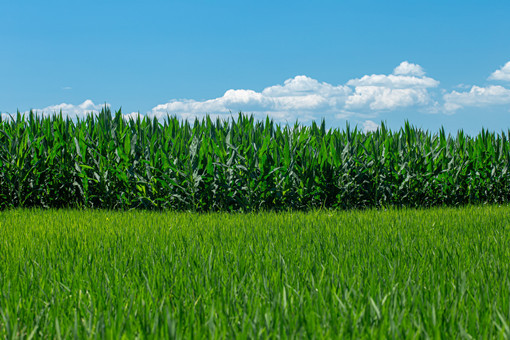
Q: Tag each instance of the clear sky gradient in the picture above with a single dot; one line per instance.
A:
(431, 62)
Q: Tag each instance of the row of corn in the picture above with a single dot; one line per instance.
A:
(106, 161)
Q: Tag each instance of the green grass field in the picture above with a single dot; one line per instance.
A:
(358, 274)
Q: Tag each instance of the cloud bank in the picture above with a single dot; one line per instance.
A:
(479, 96)
(305, 98)
(407, 88)
(300, 96)
(79, 111)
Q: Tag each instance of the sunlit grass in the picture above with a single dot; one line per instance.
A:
(425, 273)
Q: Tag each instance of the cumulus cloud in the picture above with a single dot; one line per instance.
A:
(305, 98)
(477, 96)
(300, 97)
(480, 96)
(369, 125)
(407, 86)
(502, 74)
(80, 110)
(303, 86)
(380, 98)
(394, 81)
(133, 115)
(409, 69)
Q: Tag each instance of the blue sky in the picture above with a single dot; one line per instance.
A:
(432, 62)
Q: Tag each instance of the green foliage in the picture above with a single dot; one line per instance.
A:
(242, 165)
(397, 274)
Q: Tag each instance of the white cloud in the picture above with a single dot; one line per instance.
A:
(5, 116)
(300, 98)
(81, 110)
(133, 115)
(394, 81)
(378, 98)
(71, 110)
(369, 125)
(477, 96)
(502, 74)
(304, 98)
(303, 86)
(407, 87)
(409, 69)
(462, 86)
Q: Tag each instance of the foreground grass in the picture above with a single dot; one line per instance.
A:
(424, 273)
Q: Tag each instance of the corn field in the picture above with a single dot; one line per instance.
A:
(105, 161)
